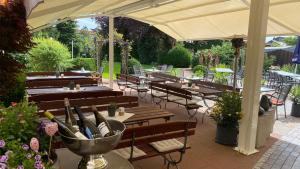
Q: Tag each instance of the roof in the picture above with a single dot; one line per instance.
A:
(290, 49)
(181, 19)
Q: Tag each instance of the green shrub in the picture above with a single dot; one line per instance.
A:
(195, 60)
(49, 55)
(288, 68)
(133, 62)
(200, 70)
(268, 62)
(86, 63)
(16, 92)
(179, 57)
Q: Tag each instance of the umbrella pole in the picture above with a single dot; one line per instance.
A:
(237, 54)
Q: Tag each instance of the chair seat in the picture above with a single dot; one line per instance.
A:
(275, 101)
(125, 152)
(122, 83)
(138, 87)
(167, 145)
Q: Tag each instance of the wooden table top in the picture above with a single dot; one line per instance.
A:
(204, 90)
(146, 113)
(55, 78)
(62, 90)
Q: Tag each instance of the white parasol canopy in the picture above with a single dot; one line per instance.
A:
(181, 19)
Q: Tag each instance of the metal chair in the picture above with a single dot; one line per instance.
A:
(278, 98)
(169, 69)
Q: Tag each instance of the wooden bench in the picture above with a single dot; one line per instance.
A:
(144, 142)
(165, 76)
(57, 106)
(76, 95)
(172, 93)
(59, 83)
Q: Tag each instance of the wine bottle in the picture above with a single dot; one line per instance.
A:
(102, 124)
(88, 127)
(70, 119)
(64, 128)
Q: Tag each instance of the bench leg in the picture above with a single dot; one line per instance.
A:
(192, 114)
(172, 162)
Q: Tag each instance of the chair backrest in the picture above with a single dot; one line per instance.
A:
(102, 103)
(164, 68)
(169, 68)
(76, 95)
(101, 69)
(59, 83)
(284, 91)
(157, 132)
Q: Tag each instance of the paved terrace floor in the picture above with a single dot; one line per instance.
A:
(206, 154)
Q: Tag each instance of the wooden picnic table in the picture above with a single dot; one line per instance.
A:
(146, 113)
(204, 90)
(40, 91)
(54, 77)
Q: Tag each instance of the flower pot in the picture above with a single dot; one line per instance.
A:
(295, 109)
(111, 112)
(226, 135)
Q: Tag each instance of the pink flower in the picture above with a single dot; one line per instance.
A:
(34, 144)
(51, 128)
(13, 104)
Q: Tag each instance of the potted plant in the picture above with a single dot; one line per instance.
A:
(227, 113)
(112, 109)
(22, 141)
(296, 101)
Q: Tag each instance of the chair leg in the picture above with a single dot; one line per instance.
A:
(284, 110)
(276, 111)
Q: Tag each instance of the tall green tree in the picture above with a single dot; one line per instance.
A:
(195, 46)
(148, 42)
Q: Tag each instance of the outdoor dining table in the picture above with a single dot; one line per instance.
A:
(40, 91)
(147, 113)
(224, 70)
(54, 77)
(152, 70)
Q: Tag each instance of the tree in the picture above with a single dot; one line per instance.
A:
(224, 52)
(15, 38)
(291, 40)
(148, 42)
(200, 45)
(49, 55)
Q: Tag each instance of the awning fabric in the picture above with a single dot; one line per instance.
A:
(181, 19)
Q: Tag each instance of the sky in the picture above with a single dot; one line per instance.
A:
(88, 22)
(91, 24)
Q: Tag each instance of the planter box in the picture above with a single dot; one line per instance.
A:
(264, 127)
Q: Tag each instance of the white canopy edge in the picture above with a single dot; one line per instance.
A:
(181, 19)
